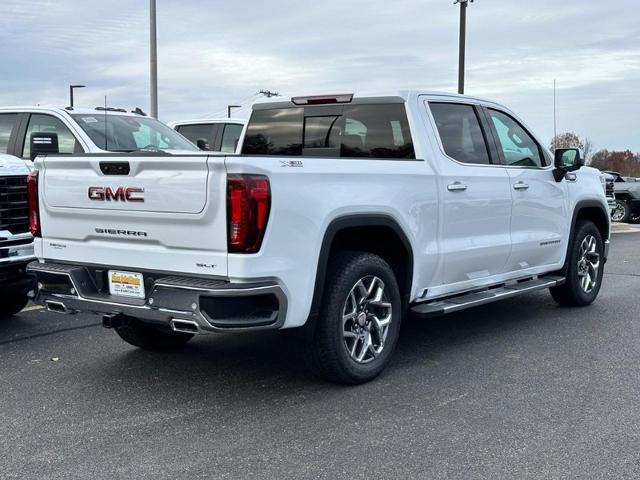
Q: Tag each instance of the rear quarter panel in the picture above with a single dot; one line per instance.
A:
(306, 198)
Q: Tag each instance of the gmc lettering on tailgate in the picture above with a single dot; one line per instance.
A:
(121, 194)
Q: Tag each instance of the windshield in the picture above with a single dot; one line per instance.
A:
(124, 133)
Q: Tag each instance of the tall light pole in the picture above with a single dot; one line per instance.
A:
(71, 88)
(555, 123)
(229, 107)
(462, 42)
(153, 60)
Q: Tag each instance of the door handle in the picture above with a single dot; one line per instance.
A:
(521, 186)
(456, 186)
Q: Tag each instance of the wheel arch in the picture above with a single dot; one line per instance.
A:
(341, 233)
(593, 211)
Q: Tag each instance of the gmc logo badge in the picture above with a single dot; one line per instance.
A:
(121, 194)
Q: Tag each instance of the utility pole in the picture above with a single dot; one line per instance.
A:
(71, 88)
(555, 129)
(269, 93)
(462, 42)
(229, 107)
(153, 60)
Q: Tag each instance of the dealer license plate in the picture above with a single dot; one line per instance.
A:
(126, 284)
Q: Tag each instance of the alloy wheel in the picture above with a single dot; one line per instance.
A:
(366, 317)
(588, 263)
(618, 212)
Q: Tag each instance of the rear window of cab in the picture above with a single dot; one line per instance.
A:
(345, 131)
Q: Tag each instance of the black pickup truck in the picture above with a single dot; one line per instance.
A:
(627, 195)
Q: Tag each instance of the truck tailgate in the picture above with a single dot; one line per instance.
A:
(148, 212)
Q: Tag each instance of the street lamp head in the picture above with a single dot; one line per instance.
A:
(462, 1)
(71, 88)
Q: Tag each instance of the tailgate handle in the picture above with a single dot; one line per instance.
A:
(115, 168)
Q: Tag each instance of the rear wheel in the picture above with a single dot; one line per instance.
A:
(359, 319)
(12, 302)
(621, 211)
(585, 267)
(150, 337)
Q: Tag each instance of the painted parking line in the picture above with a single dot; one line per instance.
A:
(32, 308)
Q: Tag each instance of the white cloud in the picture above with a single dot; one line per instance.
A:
(213, 53)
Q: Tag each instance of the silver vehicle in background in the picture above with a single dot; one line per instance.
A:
(626, 197)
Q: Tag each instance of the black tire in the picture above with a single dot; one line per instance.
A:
(150, 337)
(572, 293)
(12, 303)
(328, 353)
(621, 212)
(634, 218)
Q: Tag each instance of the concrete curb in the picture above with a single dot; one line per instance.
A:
(624, 228)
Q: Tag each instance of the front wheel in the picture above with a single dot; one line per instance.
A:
(621, 211)
(359, 319)
(585, 267)
(150, 337)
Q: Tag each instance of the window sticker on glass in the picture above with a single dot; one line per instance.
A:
(89, 120)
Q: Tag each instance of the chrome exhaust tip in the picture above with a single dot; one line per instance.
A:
(184, 326)
(57, 307)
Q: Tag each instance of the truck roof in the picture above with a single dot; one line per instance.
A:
(67, 110)
(196, 121)
(404, 94)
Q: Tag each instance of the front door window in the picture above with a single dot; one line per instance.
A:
(518, 147)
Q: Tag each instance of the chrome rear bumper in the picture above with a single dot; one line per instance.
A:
(201, 305)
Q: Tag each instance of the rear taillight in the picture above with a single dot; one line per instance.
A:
(32, 204)
(248, 204)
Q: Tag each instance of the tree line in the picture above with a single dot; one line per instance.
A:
(624, 162)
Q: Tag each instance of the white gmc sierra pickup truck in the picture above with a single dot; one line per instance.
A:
(340, 214)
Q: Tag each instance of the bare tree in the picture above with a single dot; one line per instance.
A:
(624, 162)
(572, 140)
(587, 150)
(566, 140)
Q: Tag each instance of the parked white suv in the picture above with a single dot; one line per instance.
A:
(212, 134)
(86, 130)
(340, 214)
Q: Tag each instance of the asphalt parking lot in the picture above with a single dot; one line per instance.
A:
(518, 389)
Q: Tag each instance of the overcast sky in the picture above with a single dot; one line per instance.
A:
(212, 53)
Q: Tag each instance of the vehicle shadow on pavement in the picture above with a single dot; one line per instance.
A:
(268, 361)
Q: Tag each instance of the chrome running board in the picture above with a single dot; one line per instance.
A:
(451, 304)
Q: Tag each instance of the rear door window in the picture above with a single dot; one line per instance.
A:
(230, 137)
(460, 132)
(8, 122)
(197, 132)
(349, 131)
(376, 131)
(39, 123)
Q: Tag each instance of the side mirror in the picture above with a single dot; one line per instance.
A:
(41, 143)
(566, 160)
(202, 144)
